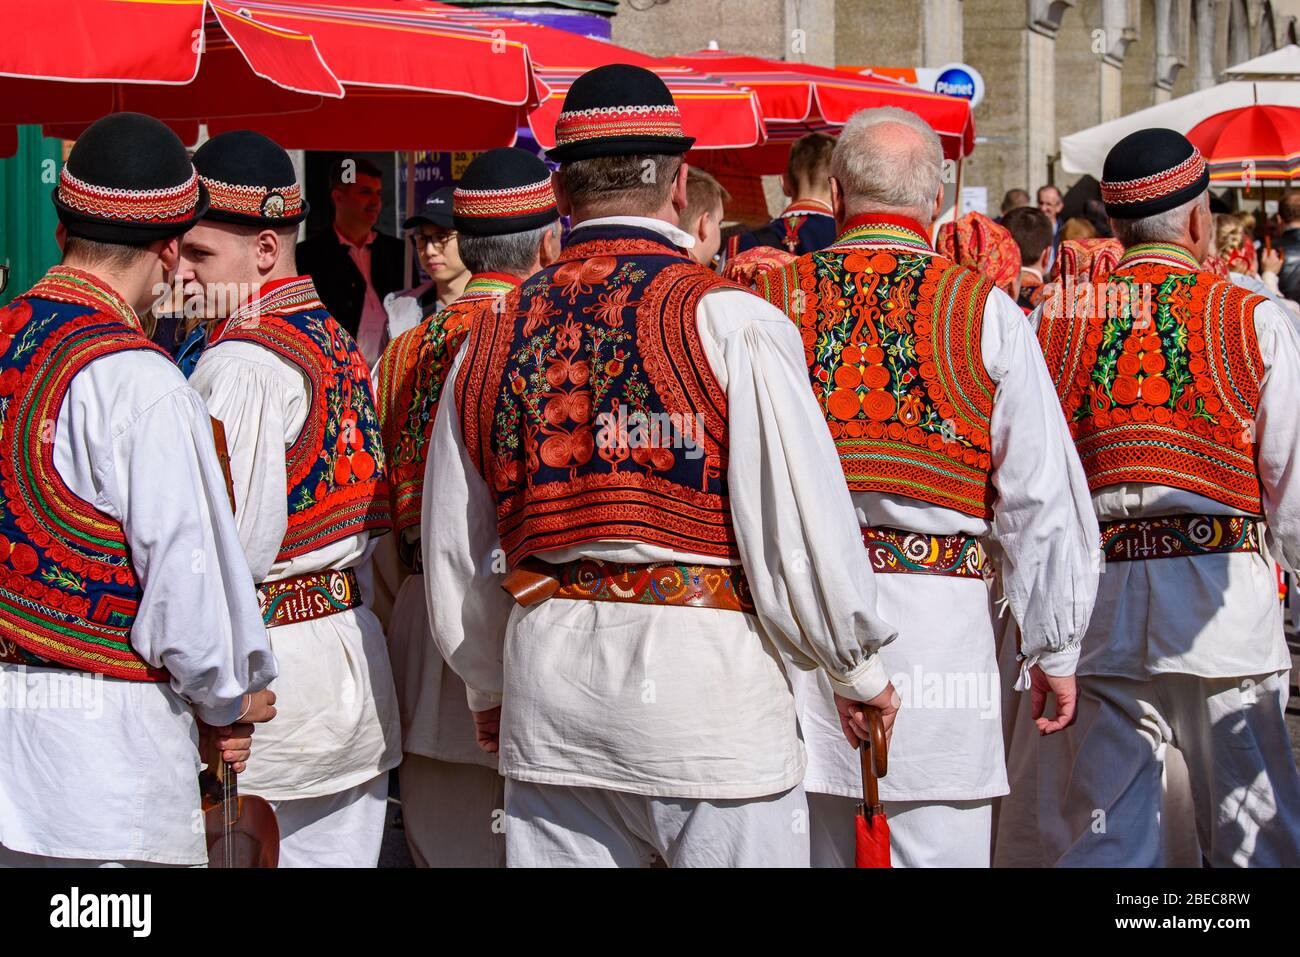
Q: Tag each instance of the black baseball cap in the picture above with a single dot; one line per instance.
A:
(436, 211)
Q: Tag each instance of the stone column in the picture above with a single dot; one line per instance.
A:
(1206, 13)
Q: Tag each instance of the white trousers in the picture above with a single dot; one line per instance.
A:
(338, 830)
(453, 813)
(11, 859)
(554, 826)
(1101, 807)
(921, 833)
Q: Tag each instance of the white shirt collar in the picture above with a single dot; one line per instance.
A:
(677, 237)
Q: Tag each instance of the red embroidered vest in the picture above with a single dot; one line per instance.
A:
(68, 593)
(588, 405)
(1160, 381)
(891, 334)
(335, 468)
(409, 383)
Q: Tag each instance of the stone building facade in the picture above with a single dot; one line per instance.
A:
(1051, 67)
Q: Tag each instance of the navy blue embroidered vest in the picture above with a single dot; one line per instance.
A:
(68, 593)
(335, 468)
(588, 405)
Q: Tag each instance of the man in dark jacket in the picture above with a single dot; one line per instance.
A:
(1288, 244)
(353, 266)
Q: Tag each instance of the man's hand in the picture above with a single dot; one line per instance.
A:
(235, 741)
(1067, 697)
(1270, 260)
(854, 723)
(487, 728)
(261, 707)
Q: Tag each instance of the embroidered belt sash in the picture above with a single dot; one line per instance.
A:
(1179, 536)
(656, 583)
(893, 550)
(307, 597)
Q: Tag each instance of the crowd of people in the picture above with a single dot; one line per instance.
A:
(617, 544)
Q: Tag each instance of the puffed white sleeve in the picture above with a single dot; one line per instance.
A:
(1277, 431)
(463, 559)
(198, 616)
(1043, 520)
(253, 396)
(795, 526)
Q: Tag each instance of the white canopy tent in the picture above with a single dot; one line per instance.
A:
(1283, 64)
(1085, 151)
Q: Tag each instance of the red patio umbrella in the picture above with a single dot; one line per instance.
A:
(798, 98)
(1251, 144)
(240, 62)
(871, 830)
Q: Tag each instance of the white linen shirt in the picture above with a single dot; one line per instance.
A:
(665, 701)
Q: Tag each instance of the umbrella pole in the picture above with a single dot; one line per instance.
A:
(408, 268)
(956, 214)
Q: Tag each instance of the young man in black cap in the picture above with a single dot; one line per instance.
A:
(308, 464)
(1181, 391)
(433, 234)
(633, 438)
(509, 228)
(126, 604)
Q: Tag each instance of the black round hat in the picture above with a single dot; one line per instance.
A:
(618, 110)
(1150, 172)
(129, 180)
(505, 190)
(436, 211)
(251, 181)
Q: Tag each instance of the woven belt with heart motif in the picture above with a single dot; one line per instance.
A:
(918, 553)
(305, 597)
(1179, 536)
(658, 583)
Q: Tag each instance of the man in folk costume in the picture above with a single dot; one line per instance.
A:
(508, 224)
(950, 441)
(127, 609)
(633, 437)
(988, 248)
(308, 463)
(807, 223)
(1181, 391)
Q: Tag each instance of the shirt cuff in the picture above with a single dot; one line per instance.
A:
(1059, 664)
(481, 700)
(866, 681)
(222, 715)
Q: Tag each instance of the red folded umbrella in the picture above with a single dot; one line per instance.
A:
(1250, 144)
(350, 74)
(719, 114)
(798, 98)
(871, 828)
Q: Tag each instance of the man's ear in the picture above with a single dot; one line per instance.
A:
(679, 188)
(169, 252)
(548, 250)
(561, 197)
(1043, 259)
(837, 203)
(938, 205)
(266, 249)
(61, 236)
(787, 187)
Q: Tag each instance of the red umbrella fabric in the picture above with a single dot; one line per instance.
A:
(239, 63)
(718, 114)
(1253, 143)
(871, 830)
(796, 98)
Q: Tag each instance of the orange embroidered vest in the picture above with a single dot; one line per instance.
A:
(409, 383)
(68, 592)
(588, 405)
(891, 334)
(335, 468)
(1160, 381)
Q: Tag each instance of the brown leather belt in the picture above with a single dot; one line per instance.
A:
(1179, 536)
(894, 550)
(656, 583)
(307, 597)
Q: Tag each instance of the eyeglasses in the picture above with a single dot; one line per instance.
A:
(440, 241)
